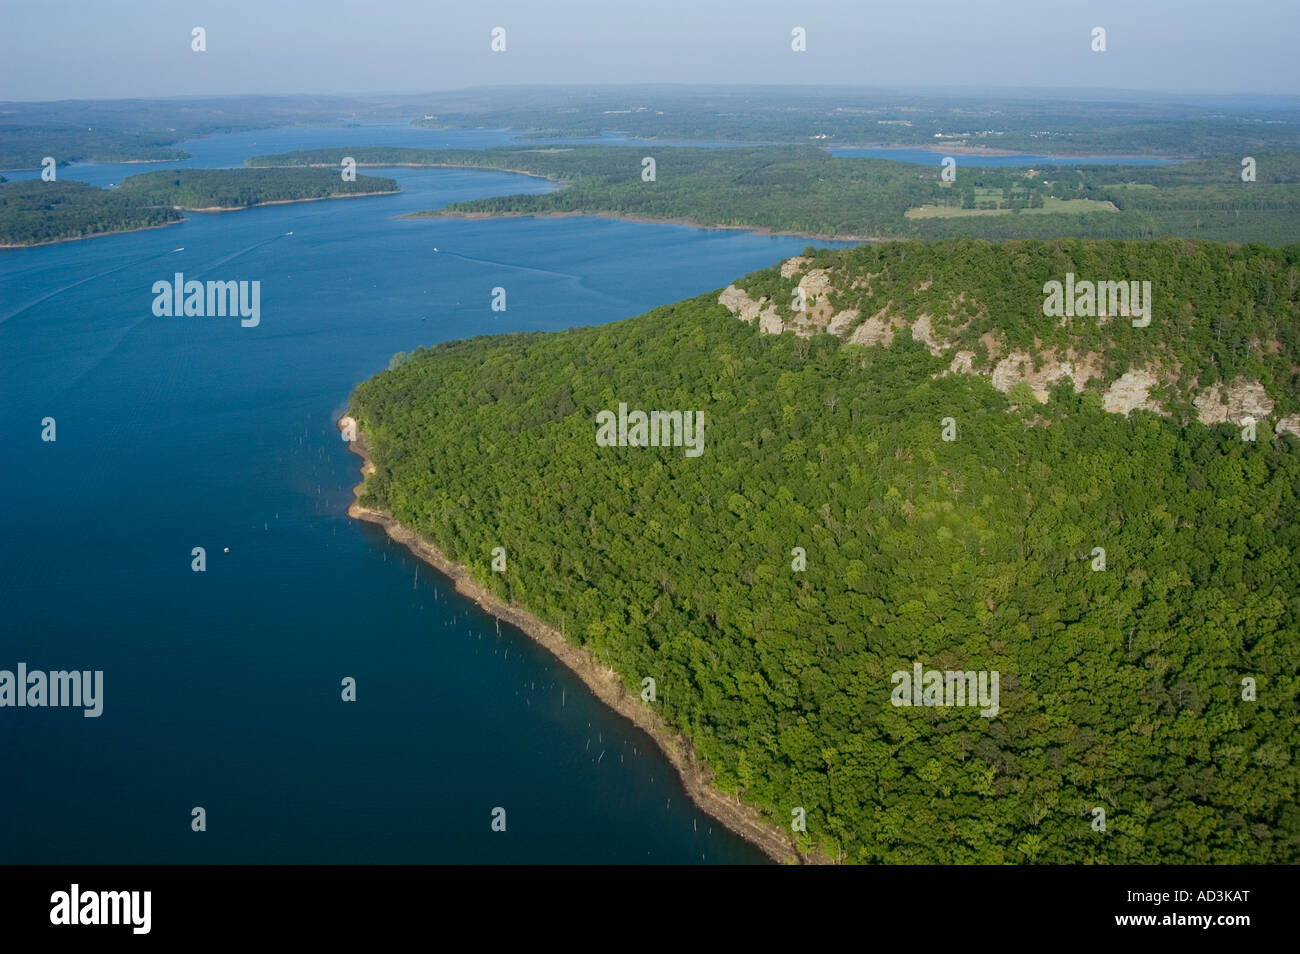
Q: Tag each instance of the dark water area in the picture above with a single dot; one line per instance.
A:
(222, 689)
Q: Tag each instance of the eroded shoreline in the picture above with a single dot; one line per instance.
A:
(738, 817)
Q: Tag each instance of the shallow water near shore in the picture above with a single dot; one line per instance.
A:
(222, 688)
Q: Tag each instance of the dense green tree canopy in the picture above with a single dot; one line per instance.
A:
(240, 188)
(1121, 689)
(33, 212)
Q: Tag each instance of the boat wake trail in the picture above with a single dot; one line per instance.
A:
(243, 251)
(121, 334)
(511, 265)
(90, 278)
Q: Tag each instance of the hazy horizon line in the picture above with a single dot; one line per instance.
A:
(946, 89)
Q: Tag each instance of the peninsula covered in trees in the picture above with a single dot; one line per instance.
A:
(34, 212)
(928, 492)
(198, 190)
(806, 190)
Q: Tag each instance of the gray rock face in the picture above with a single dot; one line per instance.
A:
(1239, 401)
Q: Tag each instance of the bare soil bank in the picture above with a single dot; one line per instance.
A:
(604, 682)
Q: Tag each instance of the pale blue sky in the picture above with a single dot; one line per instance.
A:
(56, 49)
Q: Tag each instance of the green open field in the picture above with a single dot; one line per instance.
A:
(1050, 205)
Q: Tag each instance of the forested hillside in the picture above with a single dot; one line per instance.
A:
(1126, 686)
(1217, 338)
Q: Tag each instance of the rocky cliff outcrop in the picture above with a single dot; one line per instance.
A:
(827, 300)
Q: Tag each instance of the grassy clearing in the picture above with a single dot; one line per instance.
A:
(1050, 206)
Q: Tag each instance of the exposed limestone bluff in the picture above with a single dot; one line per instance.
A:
(841, 297)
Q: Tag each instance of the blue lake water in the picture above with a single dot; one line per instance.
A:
(621, 139)
(230, 150)
(222, 689)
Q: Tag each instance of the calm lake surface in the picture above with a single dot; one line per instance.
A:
(222, 688)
